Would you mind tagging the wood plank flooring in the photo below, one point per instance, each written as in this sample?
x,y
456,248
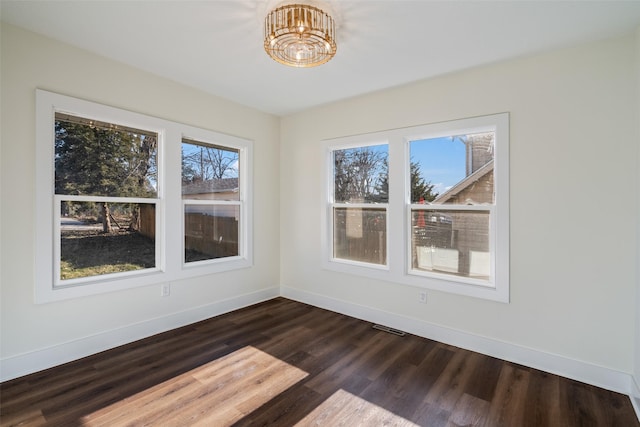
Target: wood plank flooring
x,y
283,363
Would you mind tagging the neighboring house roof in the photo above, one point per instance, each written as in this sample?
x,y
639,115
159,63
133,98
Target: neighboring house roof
x,y
223,185
469,180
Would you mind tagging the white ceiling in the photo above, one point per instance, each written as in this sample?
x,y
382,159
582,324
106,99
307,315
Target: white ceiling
x,y
216,46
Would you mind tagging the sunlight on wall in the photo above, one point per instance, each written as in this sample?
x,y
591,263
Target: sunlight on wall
x,y
220,392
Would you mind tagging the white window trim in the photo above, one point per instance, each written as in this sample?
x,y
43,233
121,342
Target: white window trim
x,y
169,206
244,158
59,284
327,214
398,269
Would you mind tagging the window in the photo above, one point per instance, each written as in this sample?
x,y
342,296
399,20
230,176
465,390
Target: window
x,y
452,195
106,181
436,196
360,181
108,199
211,200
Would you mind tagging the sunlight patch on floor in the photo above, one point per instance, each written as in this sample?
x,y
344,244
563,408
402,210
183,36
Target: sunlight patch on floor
x,y
345,409
221,392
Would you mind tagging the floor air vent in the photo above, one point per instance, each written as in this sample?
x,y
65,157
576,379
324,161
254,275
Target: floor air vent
x,y
390,330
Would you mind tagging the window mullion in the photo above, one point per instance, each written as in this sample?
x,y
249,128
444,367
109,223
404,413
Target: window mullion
x,y
428,207
395,220
171,203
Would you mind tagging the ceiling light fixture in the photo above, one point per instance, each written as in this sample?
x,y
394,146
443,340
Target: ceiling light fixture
x,y
299,35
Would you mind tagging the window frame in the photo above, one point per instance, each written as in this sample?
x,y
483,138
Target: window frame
x,y
169,239
243,220
363,205
57,240
399,268
328,213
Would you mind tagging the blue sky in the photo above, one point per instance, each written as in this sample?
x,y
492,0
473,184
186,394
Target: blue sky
x,y
189,149
442,161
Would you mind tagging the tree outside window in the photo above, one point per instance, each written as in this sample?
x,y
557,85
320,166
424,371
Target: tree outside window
x,y
106,181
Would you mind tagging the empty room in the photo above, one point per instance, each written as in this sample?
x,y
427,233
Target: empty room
x,y
341,212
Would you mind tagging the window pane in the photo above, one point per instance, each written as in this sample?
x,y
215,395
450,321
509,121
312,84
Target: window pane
x,y
361,175
103,238
453,170
104,159
209,172
360,234
452,242
211,231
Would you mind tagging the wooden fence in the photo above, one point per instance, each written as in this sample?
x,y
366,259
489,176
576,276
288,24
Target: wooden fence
x,y
214,236
144,220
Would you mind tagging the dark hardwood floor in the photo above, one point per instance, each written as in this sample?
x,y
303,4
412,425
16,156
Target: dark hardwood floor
x,y
283,363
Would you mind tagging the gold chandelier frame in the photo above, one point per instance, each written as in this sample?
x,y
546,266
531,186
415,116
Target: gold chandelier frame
x,y
300,35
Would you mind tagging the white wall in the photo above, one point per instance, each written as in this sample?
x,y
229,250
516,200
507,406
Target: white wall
x,y
34,336
636,371
573,206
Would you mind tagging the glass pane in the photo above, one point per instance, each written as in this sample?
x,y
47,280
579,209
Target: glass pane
x,y
210,232
360,175
209,172
104,159
453,170
452,242
360,235
103,238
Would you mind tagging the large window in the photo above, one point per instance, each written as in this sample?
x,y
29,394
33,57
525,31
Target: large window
x,y
110,201
427,208
106,191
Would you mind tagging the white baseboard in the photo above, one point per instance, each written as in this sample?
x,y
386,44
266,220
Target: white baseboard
x,y
23,364
635,396
566,367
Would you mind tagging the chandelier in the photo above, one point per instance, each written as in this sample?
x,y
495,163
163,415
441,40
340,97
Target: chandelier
x,y
299,35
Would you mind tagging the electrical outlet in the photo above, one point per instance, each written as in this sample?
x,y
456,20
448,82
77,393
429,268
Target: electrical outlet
x,y
165,290
422,297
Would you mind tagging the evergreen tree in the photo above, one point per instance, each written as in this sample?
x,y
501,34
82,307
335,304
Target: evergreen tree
x,y
421,190
102,161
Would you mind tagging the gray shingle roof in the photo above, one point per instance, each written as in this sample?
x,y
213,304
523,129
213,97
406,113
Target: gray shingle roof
x,y
223,185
